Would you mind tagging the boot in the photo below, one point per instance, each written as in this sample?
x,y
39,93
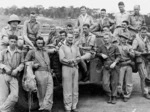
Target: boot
x,y
114,100
109,100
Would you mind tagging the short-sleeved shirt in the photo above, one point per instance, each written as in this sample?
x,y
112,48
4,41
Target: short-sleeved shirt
x,y
31,30
136,21
120,17
113,53
7,31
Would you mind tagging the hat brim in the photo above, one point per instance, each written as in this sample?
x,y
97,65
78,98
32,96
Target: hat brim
x,y
14,21
121,36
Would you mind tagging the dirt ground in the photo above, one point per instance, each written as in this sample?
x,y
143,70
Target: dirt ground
x,y
93,99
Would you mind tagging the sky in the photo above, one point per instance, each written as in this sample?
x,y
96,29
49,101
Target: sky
x,y
109,5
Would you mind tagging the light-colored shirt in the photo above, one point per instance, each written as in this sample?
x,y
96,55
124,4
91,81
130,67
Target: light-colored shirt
x,y
120,17
7,31
14,61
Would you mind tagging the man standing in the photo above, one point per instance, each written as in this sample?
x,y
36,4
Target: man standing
x,y
122,15
84,18
67,55
136,20
42,74
77,36
11,29
11,63
31,29
125,77
141,45
111,55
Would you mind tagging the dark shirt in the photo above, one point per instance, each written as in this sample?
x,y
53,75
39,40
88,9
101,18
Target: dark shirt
x,y
112,53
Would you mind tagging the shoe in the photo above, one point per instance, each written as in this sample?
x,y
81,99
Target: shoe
x,y
147,96
114,100
75,110
110,100
125,99
67,110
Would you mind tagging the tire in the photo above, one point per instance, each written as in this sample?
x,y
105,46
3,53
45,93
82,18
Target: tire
x,y
23,98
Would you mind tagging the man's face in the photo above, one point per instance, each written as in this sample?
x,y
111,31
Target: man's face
x,y
69,38
136,10
121,8
14,24
103,13
39,43
105,29
12,43
33,17
106,39
63,35
124,25
85,30
76,32
83,11
143,32
69,29
52,29
123,40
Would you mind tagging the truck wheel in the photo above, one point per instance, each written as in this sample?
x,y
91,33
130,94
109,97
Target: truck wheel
x,y
23,98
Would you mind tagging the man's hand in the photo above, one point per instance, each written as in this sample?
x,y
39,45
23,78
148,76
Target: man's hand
x,y
113,65
78,59
7,70
14,72
36,66
104,56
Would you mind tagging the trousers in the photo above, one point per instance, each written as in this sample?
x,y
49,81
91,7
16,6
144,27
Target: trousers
x,y
125,84
9,87
70,87
45,89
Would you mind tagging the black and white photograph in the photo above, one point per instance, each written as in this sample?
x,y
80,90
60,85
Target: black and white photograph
x,y
74,56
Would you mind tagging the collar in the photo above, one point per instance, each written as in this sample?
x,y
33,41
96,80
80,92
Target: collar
x,y
123,12
15,51
66,43
138,15
10,29
34,22
84,16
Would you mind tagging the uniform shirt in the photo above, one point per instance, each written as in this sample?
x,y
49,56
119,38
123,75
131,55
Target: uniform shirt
x,y
87,19
67,52
10,59
112,53
120,17
31,30
136,21
129,34
140,44
124,51
89,41
39,56
7,31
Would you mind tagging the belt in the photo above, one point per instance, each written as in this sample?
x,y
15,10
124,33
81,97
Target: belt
x,y
43,69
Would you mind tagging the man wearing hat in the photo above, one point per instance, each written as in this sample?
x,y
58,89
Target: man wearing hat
x,y
125,77
141,45
11,29
31,29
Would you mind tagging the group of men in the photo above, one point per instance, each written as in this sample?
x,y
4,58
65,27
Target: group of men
x,y
123,41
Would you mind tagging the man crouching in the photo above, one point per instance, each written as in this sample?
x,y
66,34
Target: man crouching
x,y
111,56
11,63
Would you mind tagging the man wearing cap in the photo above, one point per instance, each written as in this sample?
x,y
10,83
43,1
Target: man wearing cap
x,y
125,84
11,63
11,29
84,18
122,15
136,20
141,45
111,56
31,29
124,31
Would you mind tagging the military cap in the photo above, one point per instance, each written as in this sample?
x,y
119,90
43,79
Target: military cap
x,y
124,36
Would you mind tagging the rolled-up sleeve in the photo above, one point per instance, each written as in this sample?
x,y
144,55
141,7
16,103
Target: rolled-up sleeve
x,y
117,55
1,60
